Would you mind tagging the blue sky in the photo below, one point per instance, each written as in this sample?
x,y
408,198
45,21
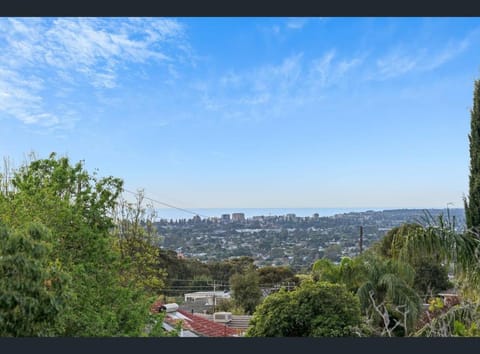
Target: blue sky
x,y
248,112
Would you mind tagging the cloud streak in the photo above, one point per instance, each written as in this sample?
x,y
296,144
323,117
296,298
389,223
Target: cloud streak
x,y
399,62
296,23
299,81
43,57
272,90
19,98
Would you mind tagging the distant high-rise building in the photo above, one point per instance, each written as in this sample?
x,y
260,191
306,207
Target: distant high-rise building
x,y
291,217
225,217
238,217
214,219
197,218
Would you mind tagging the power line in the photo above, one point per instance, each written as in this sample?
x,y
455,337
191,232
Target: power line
x,y
188,289
167,205
194,286
194,279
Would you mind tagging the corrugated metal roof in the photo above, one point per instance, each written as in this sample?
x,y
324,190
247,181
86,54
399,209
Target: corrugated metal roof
x,y
177,316
209,293
238,321
187,333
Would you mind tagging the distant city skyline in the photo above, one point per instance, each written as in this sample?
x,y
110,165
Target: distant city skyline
x,y
249,112
249,213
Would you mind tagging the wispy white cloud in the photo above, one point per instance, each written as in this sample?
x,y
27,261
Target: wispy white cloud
x,y
211,104
329,70
230,79
401,61
296,22
44,57
285,27
20,98
395,65
255,99
451,51
277,77
271,90
321,67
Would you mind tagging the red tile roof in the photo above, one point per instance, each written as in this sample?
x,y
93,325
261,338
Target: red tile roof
x,y
155,308
207,328
200,325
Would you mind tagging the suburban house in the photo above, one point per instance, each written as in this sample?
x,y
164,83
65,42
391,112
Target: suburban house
x,y
220,324
207,297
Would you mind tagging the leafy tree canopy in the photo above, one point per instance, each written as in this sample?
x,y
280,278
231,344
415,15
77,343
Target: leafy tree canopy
x,y
33,287
314,309
246,291
77,208
431,276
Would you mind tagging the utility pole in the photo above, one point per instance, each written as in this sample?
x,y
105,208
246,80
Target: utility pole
x,y
214,296
361,239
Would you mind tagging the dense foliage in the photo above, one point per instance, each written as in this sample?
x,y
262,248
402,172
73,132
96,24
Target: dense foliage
x,y
246,290
33,288
271,276
383,287
138,242
472,204
314,309
74,237
431,275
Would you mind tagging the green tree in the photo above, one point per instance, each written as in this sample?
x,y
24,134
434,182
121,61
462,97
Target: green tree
x,y
246,291
393,241
469,279
351,272
271,275
139,241
333,252
223,270
431,276
387,296
458,320
438,241
383,286
314,309
472,203
33,288
78,208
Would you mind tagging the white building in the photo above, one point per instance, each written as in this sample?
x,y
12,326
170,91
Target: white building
x,y
209,297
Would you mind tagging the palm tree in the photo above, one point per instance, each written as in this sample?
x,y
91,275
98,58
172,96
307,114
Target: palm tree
x,y
350,271
324,269
387,297
439,238
384,287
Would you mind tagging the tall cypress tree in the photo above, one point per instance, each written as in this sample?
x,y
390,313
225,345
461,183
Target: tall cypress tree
x,y
472,205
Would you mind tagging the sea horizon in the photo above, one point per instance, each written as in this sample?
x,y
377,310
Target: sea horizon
x,y
176,214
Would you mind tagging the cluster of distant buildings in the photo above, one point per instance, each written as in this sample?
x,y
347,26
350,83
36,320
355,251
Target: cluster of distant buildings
x,y
235,217
240,217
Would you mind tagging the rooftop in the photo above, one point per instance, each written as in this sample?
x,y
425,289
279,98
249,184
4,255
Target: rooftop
x,y
197,324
